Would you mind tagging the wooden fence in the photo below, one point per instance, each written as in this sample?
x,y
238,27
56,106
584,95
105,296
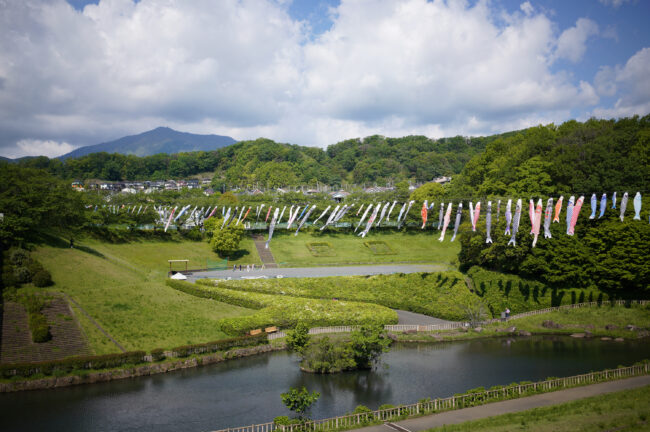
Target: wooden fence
x,y
449,403
455,325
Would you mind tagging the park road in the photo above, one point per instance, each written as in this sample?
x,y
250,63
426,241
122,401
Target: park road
x,y
303,272
510,406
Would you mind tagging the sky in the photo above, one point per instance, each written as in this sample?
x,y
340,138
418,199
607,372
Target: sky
x,y
80,72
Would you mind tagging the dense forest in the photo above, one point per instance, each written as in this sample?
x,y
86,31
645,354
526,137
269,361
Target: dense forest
x,y
265,163
574,158
598,156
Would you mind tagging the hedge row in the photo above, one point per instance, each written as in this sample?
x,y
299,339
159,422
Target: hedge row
x,y
221,345
116,360
287,311
500,291
70,364
438,294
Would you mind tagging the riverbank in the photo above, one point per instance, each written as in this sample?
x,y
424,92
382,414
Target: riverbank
x,y
98,376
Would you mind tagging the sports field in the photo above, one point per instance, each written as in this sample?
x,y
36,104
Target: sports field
x,y
308,249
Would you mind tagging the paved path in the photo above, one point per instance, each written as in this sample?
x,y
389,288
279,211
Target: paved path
x,y
265,254
412,318
316,271
510,406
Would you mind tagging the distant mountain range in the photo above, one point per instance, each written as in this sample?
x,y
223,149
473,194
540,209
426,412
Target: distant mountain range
x,y
159,140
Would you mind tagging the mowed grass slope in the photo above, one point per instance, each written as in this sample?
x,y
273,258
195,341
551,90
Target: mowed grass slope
x,y
348,248
124,291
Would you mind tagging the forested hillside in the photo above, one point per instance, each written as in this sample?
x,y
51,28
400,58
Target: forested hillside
x,y
579,158
598,156
266,163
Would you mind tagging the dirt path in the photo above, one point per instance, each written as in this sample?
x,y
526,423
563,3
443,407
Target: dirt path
x,y
510,406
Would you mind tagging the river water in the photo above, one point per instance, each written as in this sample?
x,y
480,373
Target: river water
x,y
247,391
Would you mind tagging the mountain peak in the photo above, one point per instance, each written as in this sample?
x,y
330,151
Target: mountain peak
x,y
159,140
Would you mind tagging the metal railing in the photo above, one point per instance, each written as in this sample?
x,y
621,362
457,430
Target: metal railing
x,y
450,403
460,324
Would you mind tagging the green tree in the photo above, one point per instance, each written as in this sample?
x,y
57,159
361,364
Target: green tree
x,y
298,338
299,400
35,202
225,241
368,344
428,191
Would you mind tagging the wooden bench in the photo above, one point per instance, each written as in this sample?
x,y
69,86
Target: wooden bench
x,y
255,332
272,329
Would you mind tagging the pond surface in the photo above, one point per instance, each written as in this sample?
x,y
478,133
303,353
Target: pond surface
x,y
247,391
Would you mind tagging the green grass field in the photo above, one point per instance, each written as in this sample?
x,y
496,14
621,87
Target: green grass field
x,y
411,246
627,410
122,286
593,319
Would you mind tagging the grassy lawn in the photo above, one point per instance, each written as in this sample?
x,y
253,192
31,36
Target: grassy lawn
x,y
152,256
347,248
122,287
627,410
593,319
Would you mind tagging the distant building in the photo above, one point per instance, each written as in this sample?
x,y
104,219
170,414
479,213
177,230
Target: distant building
x,y
78,185
340,195
441,180
378,189
208,192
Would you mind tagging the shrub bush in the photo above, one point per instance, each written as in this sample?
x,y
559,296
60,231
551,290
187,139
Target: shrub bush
x,y
221,345
39,327
42,278
286,311
500,291
22,275
436,294
158,354
18,257
9,279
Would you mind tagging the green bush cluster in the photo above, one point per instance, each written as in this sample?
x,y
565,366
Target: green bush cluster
x,y
39,327
68,365
19,268
287,311
436,294
158,354
500,291
38,324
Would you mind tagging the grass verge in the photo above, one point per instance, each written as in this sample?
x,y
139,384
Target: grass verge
x,y
627,410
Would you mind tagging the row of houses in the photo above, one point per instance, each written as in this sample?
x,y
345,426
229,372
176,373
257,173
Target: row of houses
x,y
142,186
160,185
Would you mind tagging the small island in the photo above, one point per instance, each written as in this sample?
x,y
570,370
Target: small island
x,y
362,349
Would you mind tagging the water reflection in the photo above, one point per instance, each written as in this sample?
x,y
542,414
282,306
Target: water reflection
x,y
246,391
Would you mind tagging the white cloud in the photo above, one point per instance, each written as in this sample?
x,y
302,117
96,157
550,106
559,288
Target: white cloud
x,y
613,3
631,82
31,147
527,8
572,42
247,69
